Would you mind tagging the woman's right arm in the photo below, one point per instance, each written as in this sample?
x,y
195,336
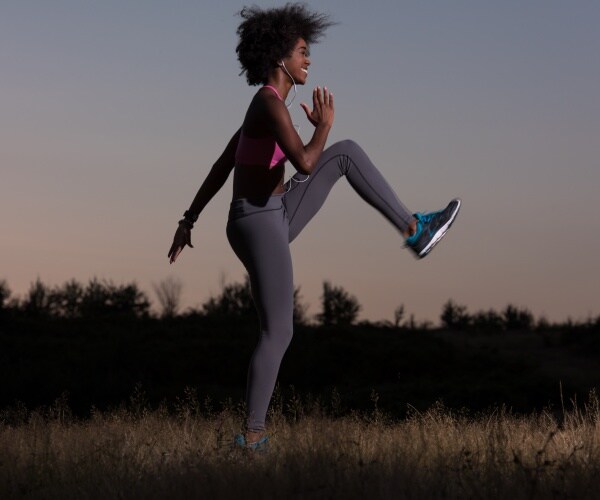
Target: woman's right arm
x,y
214,181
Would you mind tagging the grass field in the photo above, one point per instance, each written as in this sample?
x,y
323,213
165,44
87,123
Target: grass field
x,y
138,453
127,424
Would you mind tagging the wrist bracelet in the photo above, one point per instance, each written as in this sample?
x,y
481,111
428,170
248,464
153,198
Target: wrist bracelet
x,y
189,216
186,223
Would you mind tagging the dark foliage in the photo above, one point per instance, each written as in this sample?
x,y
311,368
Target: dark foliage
x,y
517,319
338,307
4,294
73,300
99,362
75,340
455,317
168,294
487,321
512,318
235,303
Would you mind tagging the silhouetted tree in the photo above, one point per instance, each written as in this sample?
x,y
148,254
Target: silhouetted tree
x,y
37,299
338,307
168,293
4,294
299,308
488,320
517,319
454,316
6,303
65,301
107,299
235,301
398,315
542,324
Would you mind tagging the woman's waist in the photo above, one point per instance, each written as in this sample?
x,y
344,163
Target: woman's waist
x,y
248,205
257,182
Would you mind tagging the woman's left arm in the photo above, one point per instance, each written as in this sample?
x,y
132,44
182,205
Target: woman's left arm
x,y
217,176
214,181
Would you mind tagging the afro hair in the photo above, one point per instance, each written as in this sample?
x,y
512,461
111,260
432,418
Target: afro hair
x,y
267,36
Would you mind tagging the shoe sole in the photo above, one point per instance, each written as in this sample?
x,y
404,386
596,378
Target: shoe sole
x,y
441,231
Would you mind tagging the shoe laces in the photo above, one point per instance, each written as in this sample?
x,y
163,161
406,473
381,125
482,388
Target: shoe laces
x,y
426,218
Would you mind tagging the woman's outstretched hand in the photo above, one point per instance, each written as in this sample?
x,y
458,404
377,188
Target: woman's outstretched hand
x,y
183,237
323,110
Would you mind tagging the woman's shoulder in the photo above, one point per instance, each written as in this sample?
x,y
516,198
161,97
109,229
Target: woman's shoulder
x,y
266,104
258,117
267,94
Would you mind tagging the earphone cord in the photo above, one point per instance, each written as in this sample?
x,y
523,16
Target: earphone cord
x,y
288,105
289,183
292,179
293,81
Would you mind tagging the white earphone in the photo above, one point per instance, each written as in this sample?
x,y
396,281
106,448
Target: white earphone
x,y
282,64
292,179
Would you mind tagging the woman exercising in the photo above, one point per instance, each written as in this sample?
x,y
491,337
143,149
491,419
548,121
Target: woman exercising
x,y
266,214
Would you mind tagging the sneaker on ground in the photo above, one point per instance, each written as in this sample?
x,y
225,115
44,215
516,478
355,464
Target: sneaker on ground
x,y
260,446
431,228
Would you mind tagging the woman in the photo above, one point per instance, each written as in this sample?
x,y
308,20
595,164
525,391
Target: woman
x,y
266,214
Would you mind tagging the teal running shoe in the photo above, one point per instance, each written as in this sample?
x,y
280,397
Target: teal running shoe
x,y
431,228
260,446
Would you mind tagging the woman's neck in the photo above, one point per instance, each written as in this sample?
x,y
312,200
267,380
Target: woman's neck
x,y
281,82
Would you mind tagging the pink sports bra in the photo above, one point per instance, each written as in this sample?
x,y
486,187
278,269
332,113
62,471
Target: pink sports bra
x,y
259,150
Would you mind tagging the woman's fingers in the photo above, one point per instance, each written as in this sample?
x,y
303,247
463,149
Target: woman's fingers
x,y
322,105
175,255
321,95
172,250
327,97
182,238
324,97
306,109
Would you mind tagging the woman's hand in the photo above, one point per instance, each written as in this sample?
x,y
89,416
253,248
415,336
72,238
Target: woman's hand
x,y
323,111
183,237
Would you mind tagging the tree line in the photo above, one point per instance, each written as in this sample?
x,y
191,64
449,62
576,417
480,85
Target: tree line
x,y
103,298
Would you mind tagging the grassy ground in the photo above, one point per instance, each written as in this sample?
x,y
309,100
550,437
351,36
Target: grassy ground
x,y
139,449
137,453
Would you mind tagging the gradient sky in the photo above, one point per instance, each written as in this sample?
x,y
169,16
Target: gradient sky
x,y
112,113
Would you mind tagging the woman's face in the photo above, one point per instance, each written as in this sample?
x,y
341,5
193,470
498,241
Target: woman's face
x,y
297,62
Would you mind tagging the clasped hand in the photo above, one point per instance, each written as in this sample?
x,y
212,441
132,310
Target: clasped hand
x,y
323,110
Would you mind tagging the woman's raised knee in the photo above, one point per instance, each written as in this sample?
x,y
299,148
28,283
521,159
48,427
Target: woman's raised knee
x,y
346,146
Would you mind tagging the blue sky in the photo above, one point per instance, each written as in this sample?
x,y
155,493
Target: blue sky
x,y
113,112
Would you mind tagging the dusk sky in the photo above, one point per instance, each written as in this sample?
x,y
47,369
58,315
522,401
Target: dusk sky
x,y
113,112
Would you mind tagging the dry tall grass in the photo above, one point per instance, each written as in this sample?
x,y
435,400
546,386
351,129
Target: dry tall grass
x,y
436,454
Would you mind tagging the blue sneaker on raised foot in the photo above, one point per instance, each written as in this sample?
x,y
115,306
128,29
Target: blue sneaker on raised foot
x,y
260,446
431,228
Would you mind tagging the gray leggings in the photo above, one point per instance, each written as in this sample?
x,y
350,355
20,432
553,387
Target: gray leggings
x,y
260,232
